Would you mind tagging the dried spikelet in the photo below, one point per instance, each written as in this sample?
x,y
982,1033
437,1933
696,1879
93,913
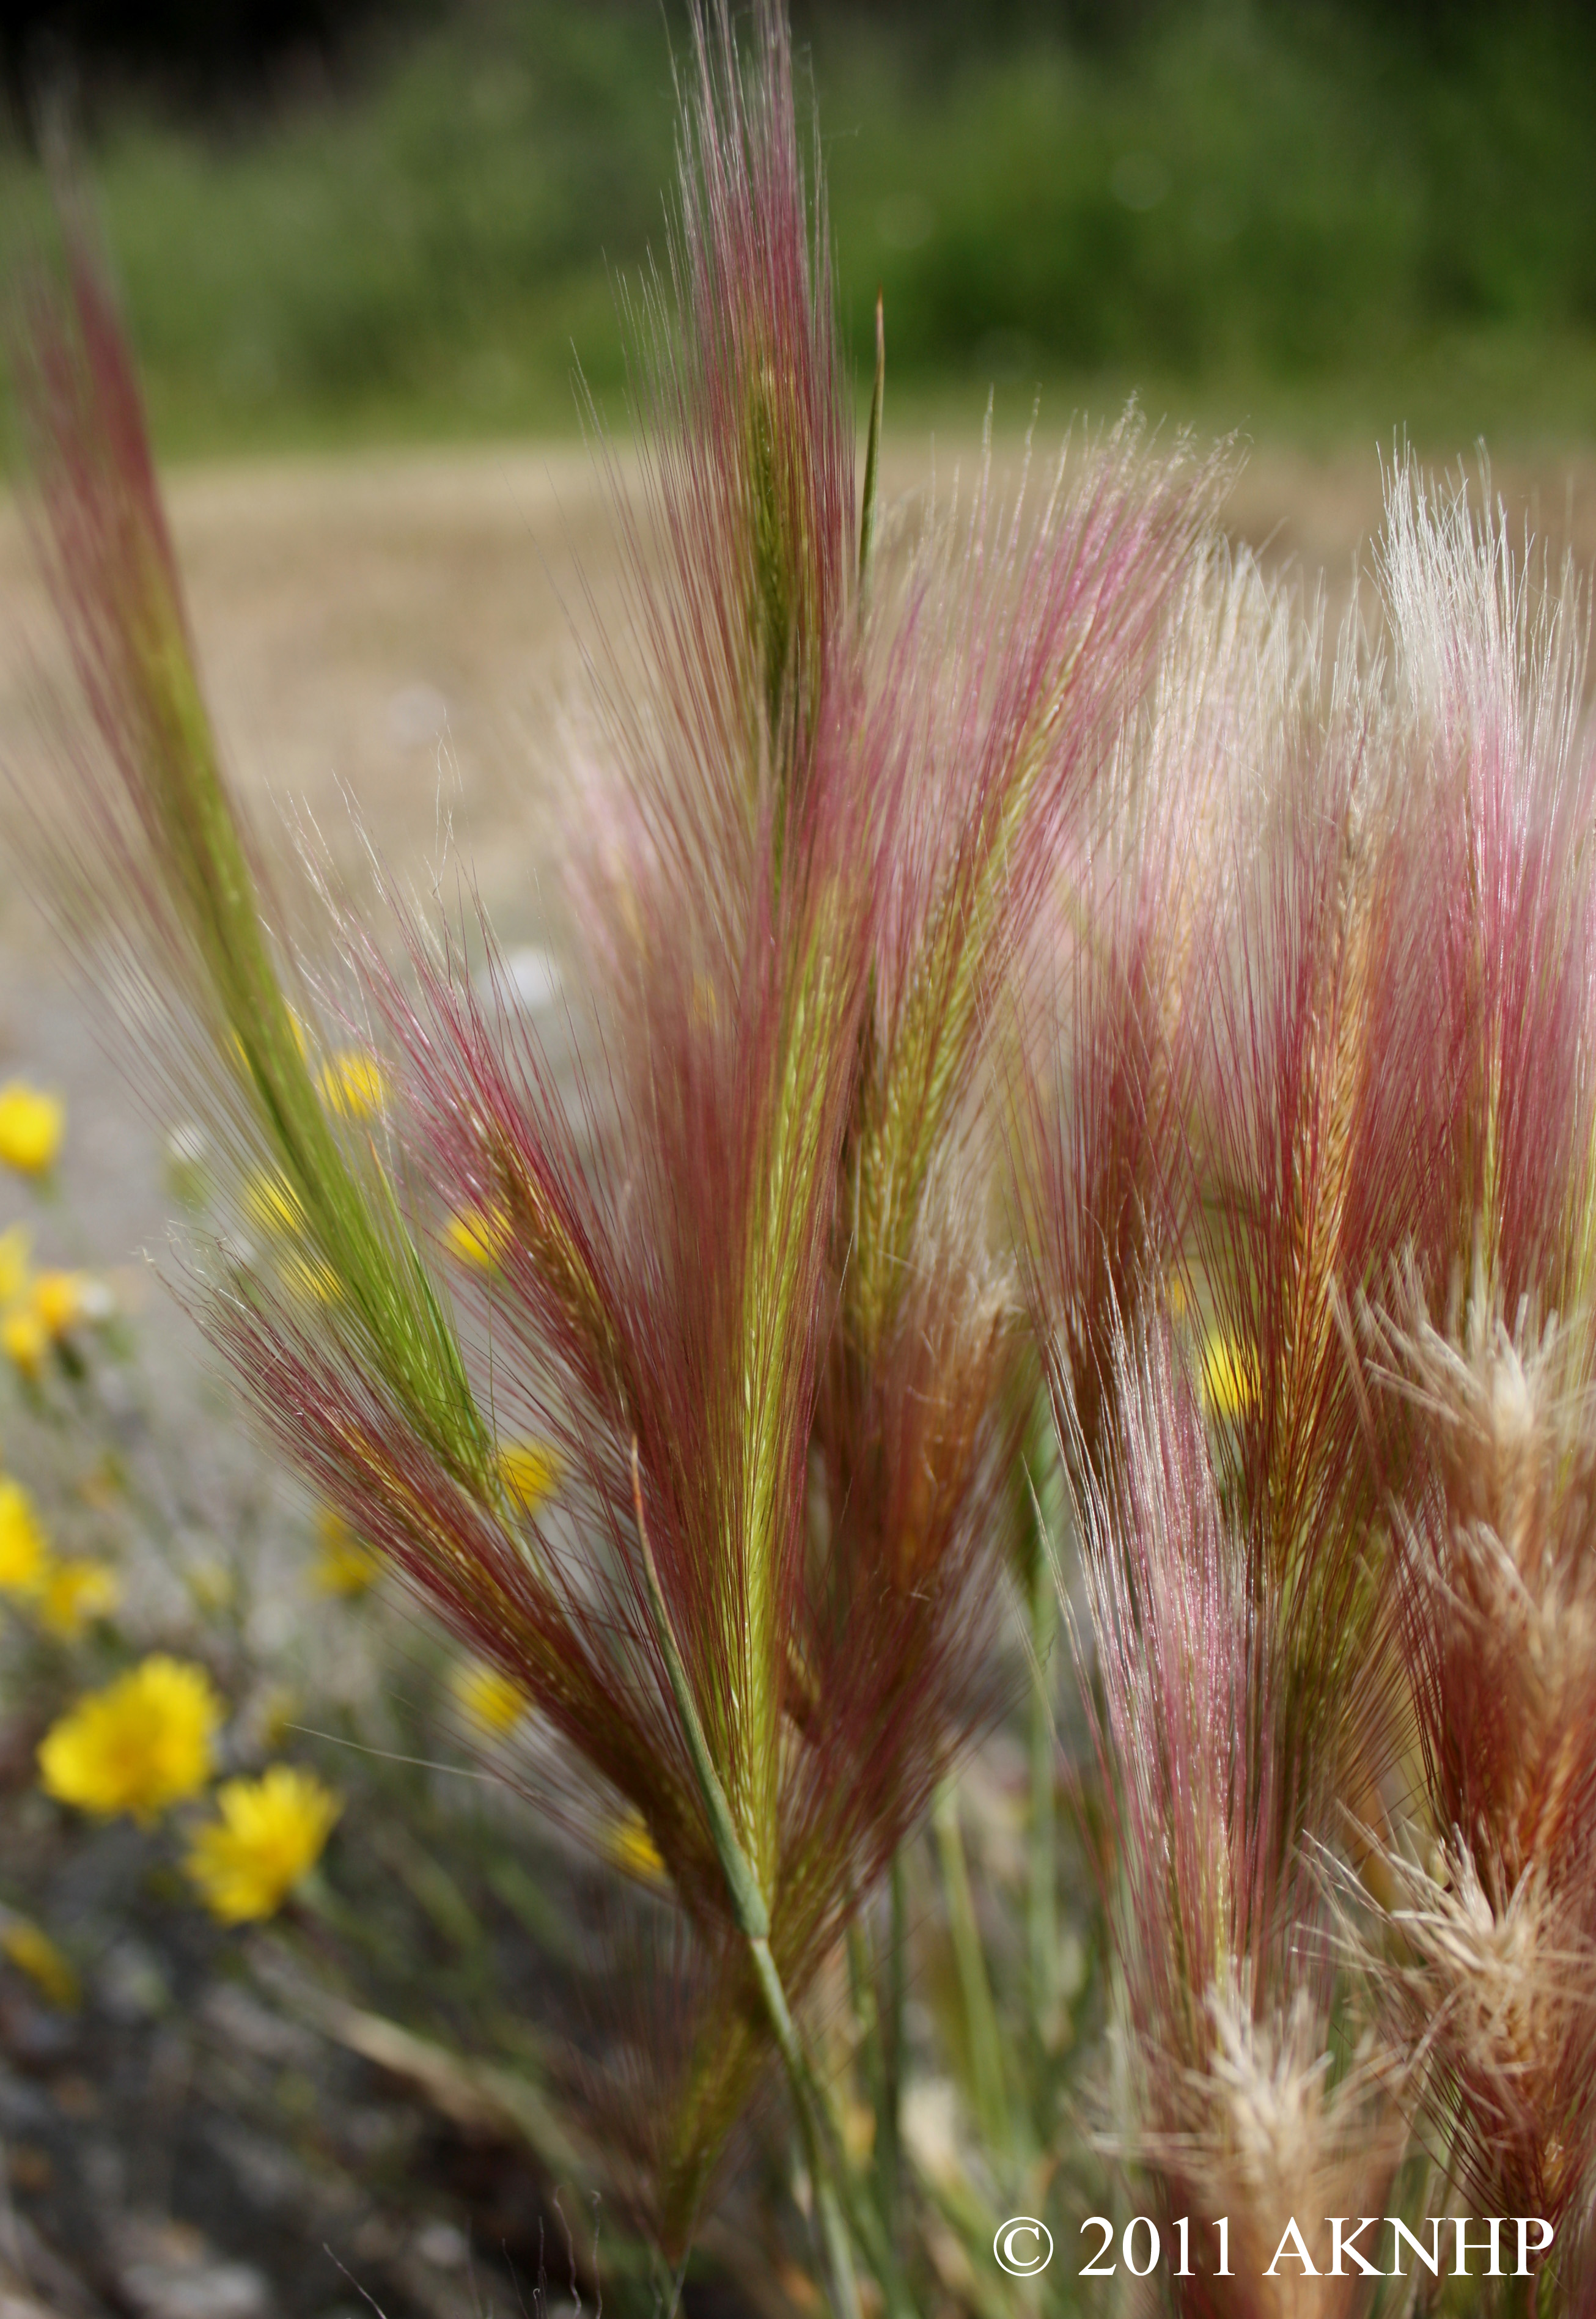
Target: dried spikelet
x,y
1501,1580
1277,2124
1498,1998
1498,1631
1239,2104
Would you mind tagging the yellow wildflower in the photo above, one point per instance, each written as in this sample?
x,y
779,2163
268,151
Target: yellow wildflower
x,y
24,1550
530,1472
271,1206
270,1202
75,1591
25,1339
15,1247
144,1742
270,1835
32,1125
308,1281
858,2122
31,1950
62,1299
479,1236
354,1083
1229,1377
489,1698
633,1850
345,1564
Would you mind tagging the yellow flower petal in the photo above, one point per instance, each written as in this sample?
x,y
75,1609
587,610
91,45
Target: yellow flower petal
x,y
1229,1377
354,1083
628,1844
530,1472
345,1564
479,1236
269,1835
25,1549
306,1280
489,1698
75,1591
25,1339
15,1247
144,1742
31,1950
271,1204
32,1125
61,1300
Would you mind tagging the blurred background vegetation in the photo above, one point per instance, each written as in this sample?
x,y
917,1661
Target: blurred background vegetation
x,y
1324,219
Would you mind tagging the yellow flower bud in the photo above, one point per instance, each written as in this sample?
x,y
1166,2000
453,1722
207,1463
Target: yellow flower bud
x,y
530,1472
30,1949
345,1564
31,1126
354,1083
25,1549
491,1700
25,1339
478,1236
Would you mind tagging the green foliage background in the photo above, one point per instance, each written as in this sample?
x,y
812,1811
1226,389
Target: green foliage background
x,y
1312,218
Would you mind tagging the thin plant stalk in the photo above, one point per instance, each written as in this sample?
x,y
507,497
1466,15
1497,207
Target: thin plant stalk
x,y
888,2149
872,454
1036,1514
877,1981
1041,1908
975,1990
753,1920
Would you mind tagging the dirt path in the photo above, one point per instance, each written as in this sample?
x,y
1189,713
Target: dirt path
x,y
399,624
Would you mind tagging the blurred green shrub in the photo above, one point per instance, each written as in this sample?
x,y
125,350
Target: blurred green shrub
x,y
1254,209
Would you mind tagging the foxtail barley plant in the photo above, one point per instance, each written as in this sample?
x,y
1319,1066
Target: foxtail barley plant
x,y
1042,1027
1303,1188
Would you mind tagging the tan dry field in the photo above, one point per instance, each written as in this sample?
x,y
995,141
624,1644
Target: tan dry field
x,y
397,628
